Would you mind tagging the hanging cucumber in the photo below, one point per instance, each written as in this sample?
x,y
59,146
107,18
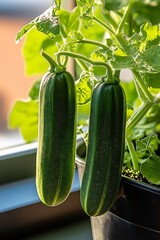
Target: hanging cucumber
x,y
55,159
105,150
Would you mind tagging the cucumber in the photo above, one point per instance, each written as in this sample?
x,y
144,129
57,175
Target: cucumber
x,y
105,149
55,160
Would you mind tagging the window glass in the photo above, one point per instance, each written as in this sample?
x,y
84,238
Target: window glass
x,y
14,83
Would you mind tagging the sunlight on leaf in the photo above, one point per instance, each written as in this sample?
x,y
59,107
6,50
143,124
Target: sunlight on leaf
x,y
98,55
47,23
49,26
84,89
151,33
36,41
150,169
24,30
24,115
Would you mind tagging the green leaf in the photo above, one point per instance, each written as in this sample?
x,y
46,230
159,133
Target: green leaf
x,y
151,169
99,55
152,79
24,30
47,23
147,145
151,56
73,38
114,4
36,41
34,91
24,115
145,49
120,60
69,21
84,89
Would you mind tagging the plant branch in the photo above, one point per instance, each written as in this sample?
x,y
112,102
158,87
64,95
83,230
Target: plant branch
x,y
82,65
86,59
132,151
140,92
138,115
119,39
142,85
104,25
123,20
109,18
96,43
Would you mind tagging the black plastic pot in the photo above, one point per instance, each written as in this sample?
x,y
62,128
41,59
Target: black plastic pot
x,y
134,216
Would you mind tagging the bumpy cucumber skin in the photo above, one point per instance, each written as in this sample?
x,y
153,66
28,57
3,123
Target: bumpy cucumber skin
x,y
55,160
105,150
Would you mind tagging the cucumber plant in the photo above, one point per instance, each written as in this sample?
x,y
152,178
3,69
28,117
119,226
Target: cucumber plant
x,y
104,38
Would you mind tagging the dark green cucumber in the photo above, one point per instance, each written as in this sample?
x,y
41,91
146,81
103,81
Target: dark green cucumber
x,y
105,150
56,138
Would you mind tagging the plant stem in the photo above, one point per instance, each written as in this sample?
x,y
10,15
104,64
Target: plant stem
x,y
86,59
87,41
133,153
118,38
142,85
82,65
54,67
140,92
109,18
104,25
123,20
138,115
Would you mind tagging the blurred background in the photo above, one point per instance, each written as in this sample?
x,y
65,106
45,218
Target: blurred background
x,y
14,83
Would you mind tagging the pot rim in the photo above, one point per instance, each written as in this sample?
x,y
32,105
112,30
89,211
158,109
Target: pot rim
x,y
142,185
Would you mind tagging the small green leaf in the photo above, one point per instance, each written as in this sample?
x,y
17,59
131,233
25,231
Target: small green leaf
x,y
84,89
151,170
87,20
34,91
146,146
24,115
73,38
98,55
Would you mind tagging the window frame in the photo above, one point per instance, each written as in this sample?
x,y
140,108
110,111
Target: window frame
x,y
21,212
